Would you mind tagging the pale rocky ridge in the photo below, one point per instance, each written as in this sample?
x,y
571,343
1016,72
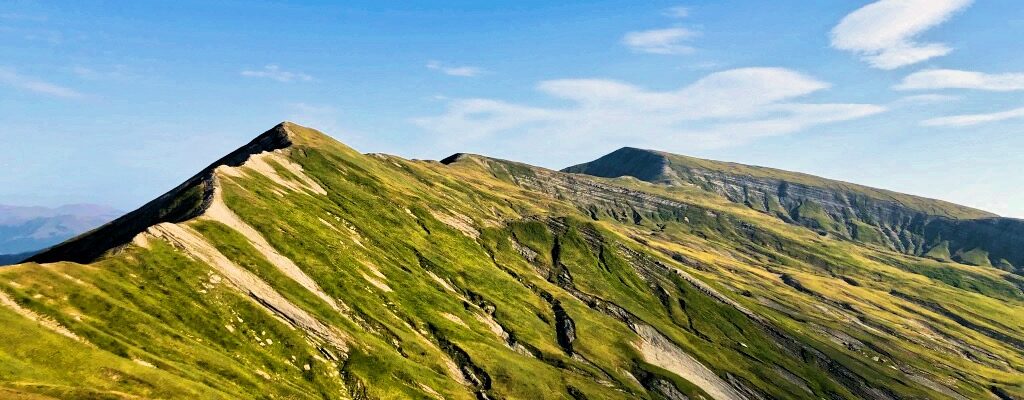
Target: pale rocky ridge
x,y
182,203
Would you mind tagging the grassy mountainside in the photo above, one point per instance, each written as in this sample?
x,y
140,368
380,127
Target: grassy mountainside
x,y
308,270
906,223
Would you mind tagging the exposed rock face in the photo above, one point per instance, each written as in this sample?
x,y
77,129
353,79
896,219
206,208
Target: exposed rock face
x,y
565,328
182,203
905,223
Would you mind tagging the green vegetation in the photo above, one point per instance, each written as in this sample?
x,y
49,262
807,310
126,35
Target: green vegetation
x,y
974,257
484,278
939,252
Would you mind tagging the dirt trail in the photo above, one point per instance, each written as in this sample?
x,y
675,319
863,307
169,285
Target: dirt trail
x,y
43,320
193,244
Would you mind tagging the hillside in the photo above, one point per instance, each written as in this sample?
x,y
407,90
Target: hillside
x,y
901,222
296,267
28,229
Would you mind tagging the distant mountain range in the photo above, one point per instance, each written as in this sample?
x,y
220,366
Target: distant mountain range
x,y
298,268
24,230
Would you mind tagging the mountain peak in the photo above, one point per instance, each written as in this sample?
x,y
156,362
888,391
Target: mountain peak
x,y
184,202
455,158
643,164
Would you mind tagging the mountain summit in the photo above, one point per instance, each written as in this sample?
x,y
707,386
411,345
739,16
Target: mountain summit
x,y
187,201
296,267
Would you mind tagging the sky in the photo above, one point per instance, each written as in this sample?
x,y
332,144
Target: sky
x,y
115,103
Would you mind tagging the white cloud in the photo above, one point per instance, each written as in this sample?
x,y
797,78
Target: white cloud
x,y
724,108
884,33
929,98
660,41
11,78
677,12
975,119
276,73
463,71
956,79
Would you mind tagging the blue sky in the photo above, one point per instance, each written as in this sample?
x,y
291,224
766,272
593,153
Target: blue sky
x,y
116,102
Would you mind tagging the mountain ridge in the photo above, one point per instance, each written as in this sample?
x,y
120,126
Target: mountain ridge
x,y
184,202
907,223
300,268
668,175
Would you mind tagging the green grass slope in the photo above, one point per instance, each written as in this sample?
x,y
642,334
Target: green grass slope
x,y
309,270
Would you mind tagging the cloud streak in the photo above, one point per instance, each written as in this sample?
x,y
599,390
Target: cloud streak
x,y
276,73
722,109
956,79
677,12
461,71
975,119
660,41
884,33
929,98
13,79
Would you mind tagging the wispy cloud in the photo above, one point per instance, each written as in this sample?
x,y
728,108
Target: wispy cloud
x,y
722,109
23,17
677,12
11,78
276,73
660,41
116,72
884,33
463,71
930,98
956,79
975,119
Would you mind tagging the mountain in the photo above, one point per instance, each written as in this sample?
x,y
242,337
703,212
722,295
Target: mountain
x,y
10,259
900,222
28,229
296,267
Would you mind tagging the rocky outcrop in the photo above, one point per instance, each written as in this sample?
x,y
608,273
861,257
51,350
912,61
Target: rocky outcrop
x,y
565,327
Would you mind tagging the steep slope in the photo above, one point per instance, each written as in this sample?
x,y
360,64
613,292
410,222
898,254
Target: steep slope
x,y
29,229
182,203
910,224
303,269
